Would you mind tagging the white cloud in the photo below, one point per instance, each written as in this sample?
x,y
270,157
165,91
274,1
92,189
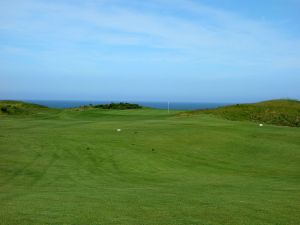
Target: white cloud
x,y
197,32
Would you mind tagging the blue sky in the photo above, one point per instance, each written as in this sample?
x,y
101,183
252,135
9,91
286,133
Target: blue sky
x,y
154,50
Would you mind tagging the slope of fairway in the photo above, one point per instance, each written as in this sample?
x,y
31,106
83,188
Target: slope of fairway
x,y
75,168
279,112
19,108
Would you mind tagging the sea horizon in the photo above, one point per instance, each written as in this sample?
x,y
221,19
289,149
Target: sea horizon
x,y
173,105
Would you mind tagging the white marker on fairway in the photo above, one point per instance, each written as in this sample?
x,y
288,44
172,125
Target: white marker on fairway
x,y
118,130
260,124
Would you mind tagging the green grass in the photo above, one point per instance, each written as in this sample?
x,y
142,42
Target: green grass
x,y
73,167
9,107
282,112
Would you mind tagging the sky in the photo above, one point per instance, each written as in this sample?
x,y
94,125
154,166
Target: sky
x,y
150,50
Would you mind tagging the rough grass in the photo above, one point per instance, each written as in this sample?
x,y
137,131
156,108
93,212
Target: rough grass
x,y
279,112
9,107
72,167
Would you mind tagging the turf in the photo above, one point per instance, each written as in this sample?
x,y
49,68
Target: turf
x,y
73,167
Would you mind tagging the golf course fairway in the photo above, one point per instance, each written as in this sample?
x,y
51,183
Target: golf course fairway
x,y
74,167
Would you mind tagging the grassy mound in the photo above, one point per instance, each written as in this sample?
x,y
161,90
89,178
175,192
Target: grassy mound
x,y
279,112
9,107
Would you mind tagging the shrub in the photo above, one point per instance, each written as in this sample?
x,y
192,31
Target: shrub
x,y
120,106
4,109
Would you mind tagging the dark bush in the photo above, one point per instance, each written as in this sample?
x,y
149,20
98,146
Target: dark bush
x,y
4,109
120,105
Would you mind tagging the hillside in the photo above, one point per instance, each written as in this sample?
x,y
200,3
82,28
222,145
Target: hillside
x,y
282,112
9,107
279,112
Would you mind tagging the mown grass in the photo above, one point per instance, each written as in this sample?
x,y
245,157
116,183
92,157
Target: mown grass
x,y
73,167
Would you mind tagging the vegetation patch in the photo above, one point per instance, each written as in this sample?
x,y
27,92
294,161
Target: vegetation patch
x,y
119,106
282,112
8,107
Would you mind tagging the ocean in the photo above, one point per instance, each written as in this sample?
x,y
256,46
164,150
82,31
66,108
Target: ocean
x,y
157,105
